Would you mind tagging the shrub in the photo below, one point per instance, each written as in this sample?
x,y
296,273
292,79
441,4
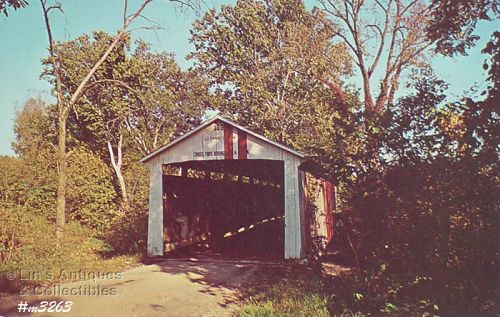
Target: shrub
x,y
128,234
27,244
90,192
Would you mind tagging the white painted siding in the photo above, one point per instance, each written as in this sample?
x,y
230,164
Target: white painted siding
x,y
293,230
259,149
302,206
208,144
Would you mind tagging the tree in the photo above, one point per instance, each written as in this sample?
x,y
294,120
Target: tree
x,y
384,38
425,225
274,68
30,179
35,132
163,101
454,21
481,119
65,103
108,106
12,189
90,194
415,122
133,103
14,4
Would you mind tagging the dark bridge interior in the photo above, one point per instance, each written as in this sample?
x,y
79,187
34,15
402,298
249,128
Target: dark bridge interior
x,y
232,206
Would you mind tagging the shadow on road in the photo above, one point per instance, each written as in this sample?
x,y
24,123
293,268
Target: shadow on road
x,y
217,274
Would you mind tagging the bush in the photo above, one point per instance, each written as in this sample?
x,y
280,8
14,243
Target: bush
x,y
12,190
90,193
128,234
426,233
27,243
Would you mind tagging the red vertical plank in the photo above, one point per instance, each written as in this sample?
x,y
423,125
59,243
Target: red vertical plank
x,y
242,145
228,142
328,192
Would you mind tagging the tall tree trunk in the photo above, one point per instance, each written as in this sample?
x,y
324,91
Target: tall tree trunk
x,y
117,162
369,104
62,158
62,161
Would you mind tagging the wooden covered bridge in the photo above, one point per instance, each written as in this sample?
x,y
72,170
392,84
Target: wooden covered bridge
x,y
220,181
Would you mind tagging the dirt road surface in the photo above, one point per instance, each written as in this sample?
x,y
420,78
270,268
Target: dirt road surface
x,y
173,287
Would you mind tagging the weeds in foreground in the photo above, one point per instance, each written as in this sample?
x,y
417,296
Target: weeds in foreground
x,y
303,291
29,257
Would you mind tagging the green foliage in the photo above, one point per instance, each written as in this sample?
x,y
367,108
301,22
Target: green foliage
x,y
18,233
426,221
12,190
88,124
129,232
35,136
454,21
420,183
140,94
422,228
255,309
90,193
415,122
137,101
163,100
275,69
27,244
137,175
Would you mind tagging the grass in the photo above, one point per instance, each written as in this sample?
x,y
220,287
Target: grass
x,y
33,258
296,291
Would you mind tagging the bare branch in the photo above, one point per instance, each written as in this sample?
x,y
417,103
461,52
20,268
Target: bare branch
x,y
148,28
187,3
384,8
397,37
411,4
156,24
381,46
125,5
351,46
107,80
55,7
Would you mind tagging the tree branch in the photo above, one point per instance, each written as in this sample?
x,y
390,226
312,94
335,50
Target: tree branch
x,y
383,34
116,40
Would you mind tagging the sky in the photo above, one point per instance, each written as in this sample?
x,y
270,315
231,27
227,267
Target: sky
x,y
23,43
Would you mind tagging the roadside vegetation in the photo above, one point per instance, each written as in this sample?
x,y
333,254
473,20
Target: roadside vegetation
x,y
295,290
98,237
30,257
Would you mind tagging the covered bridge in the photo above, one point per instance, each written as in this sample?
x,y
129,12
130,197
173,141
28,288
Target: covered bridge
x,y
220,180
